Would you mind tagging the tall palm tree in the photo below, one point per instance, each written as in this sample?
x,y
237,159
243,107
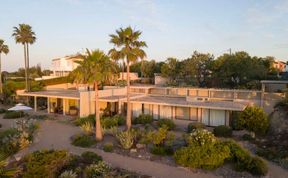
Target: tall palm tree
x,y
95,68
128,47
3,49
23,34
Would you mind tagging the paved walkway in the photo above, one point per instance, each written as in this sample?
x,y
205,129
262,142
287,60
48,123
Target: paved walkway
x,y
55,135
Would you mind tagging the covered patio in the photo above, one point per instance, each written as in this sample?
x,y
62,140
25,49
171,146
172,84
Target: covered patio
x,y
64,102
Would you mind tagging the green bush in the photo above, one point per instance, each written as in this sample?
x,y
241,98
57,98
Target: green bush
x,y
235,121
201,137
108,147
208,156
126,138
161,150
45,163
254,119
222,131
100,169
160,137
195,125
2,110
168,122
82,120
244,161
89,157
13,114
9,141
109,122
247,137
83,141
143,119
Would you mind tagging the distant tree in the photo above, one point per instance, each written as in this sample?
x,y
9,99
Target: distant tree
x,y
129,48
5,50
197,68
254,119
171,69
47,72
23,34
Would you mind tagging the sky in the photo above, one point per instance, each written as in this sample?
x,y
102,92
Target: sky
x,y
171,28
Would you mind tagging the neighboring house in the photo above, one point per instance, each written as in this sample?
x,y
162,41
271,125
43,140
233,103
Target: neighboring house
x,y
63,66
212,107
132,75
279,65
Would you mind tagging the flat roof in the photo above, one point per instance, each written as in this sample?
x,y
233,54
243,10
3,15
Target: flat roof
x,y
182,102
116,98
274,81
67,94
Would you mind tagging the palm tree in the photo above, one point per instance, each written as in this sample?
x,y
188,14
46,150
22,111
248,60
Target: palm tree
x,y
95,68
3,49
127,47
24,35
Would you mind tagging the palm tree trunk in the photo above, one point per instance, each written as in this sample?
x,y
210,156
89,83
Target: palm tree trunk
x,y
98,128
25,59
1,86
123,68
128,119
28,66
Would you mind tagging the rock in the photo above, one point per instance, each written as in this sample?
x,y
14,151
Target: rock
x,y
140,146
133,150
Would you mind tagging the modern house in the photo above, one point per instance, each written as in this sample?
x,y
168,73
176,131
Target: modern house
x,y
63,66
210,106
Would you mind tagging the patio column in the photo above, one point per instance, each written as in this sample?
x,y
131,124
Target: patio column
x,y
119,107
35,103
48,105
64,106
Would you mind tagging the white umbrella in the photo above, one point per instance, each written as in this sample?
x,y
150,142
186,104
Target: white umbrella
x,y
20,107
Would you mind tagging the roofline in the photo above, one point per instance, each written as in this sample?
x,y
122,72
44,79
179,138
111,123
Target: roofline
x,y
46,96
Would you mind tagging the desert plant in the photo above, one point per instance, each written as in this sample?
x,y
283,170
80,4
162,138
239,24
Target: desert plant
x,y
247,137
108,147
161,136
254,120
143,119
90,157
126,138
208,156
83,141
109,122
87,127
81,120
168,122
2,110
161,150
45,163
13,114
100,169
195,125
68,174
4,171
201,137
222,131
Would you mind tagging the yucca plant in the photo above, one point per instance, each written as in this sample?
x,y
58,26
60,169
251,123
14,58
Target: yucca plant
x,y
5,172
87,127
126,138
68,174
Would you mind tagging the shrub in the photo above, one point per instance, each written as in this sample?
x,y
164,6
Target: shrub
x,y
254,119
87,127
108,147
201,137
68,174
81,120
222,131
235,121
195,125
160,136
90,157
97,170
13,115
247,137
202,156
244,161
126,138
2,110
83,141
45,163
109,122
161,150
168,122
9,141
143,119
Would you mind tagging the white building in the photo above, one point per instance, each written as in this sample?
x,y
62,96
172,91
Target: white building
x,y
63,66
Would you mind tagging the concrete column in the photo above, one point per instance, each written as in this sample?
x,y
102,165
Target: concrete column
x,y
64,106
262,95
119,107
35,103
48,105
